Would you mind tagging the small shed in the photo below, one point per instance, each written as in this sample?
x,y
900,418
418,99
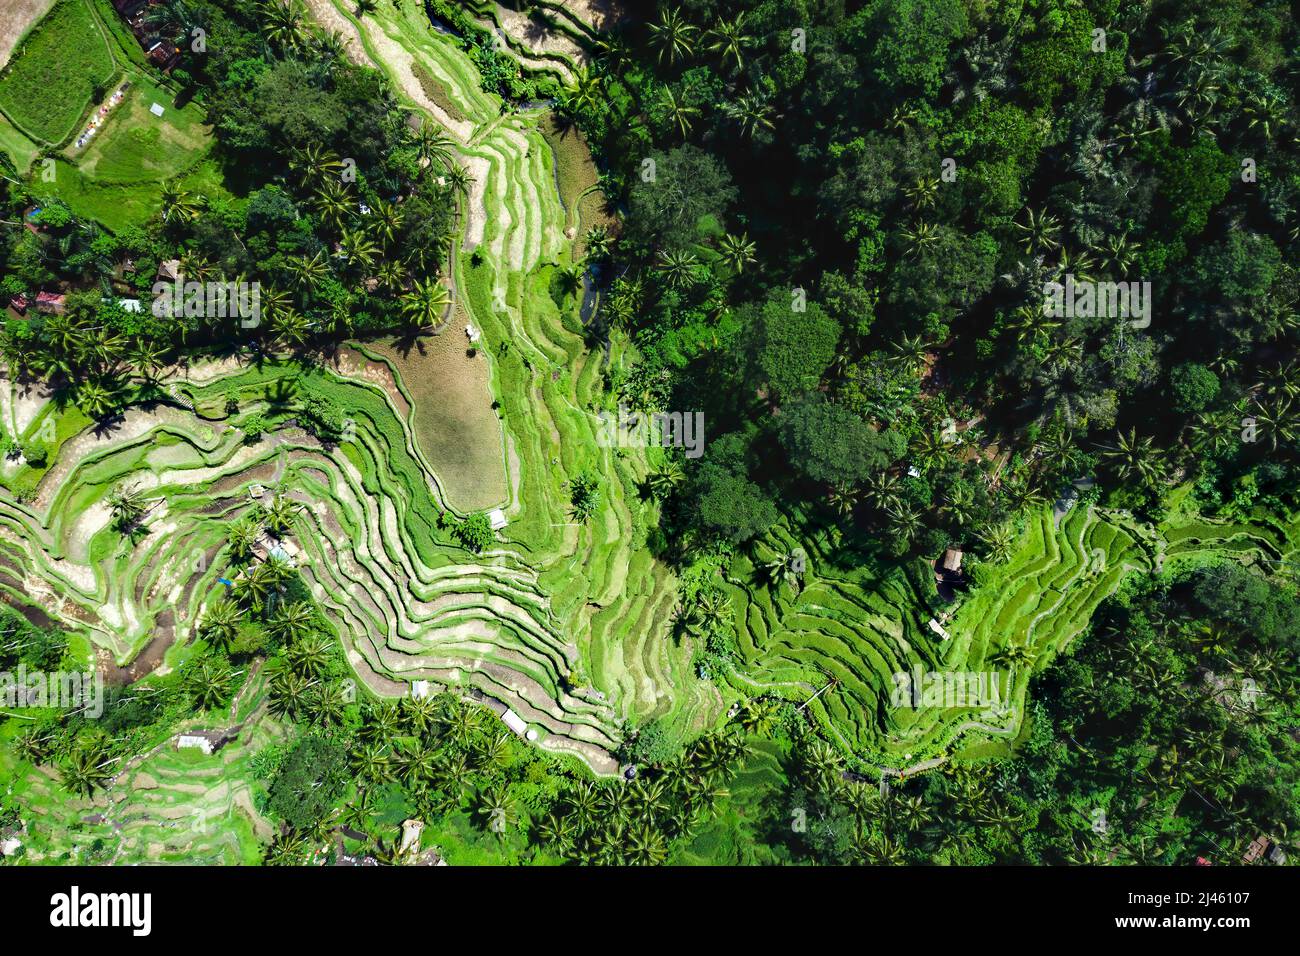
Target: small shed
x,y
497,519
169,270
514,722
194,742
419,689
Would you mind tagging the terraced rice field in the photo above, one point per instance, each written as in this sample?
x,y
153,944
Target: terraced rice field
x,y
858,629
48,83
567,624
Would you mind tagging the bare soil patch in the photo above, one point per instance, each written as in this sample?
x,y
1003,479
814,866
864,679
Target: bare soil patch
x,y
15,17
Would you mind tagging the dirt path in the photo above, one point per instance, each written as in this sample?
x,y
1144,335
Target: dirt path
x,y
328,16
15,17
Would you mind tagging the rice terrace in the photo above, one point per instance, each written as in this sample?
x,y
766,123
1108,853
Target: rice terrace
x,y
356,575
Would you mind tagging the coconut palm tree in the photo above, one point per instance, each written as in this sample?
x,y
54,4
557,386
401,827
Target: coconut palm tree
x,y
290,694
209,683
176,205
221,624
357,249
85,769
998,539
680,270
823,765
310,655
314,165
558,833
1040,231
372,762
279,514
919,236
843,499
673,36
128,506
289,327
241,537
328,705
383,721
787,568
681,114
752,112
646,845
332,203
737,251
496,809
423,307
729,41
1131,455
282,24
291,622
434,147
308,272
667,479
386,222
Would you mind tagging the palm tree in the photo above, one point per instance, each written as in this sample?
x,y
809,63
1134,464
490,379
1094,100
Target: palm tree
x,y
332,203
423,307
127,505
1041,230
386,222
308,272
673,36
558,833
787,568
646,845
730,41
433,146
681,114
667,479
309,656
1131,455
278,515
753,112
383,722
357,249
292,622
177,205
96,398
998,539
329,704
737,251
287,849
85,769
843,499
496,809
918,237
922,193
679,269
221,624
209,683
371,762
241,538
313,164
283,26
290,694
904,523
